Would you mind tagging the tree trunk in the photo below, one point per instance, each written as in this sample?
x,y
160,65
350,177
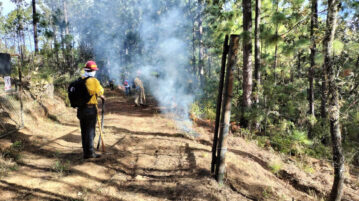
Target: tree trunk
x,y
226,108
257,53
324,93
247,60
21,51
299,66
193,41
66,18
276,48
34,24
209,64
194,49
313,49
219,103
68,54
275,61
56,46
201,46
63,48
257,58
334,107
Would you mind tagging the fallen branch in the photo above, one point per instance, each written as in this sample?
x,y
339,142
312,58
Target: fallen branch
x,y
8,133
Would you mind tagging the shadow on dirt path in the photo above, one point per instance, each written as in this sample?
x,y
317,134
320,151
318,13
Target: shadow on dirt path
x,y
146,158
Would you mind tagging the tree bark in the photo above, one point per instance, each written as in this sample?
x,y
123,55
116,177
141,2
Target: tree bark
x,y
54,29
67,32
21,40
56,45
247,60
226,108
313,49
257,58
324,94
69,52
194,48
275,61
193,41
276,47
299,66
219,103
209,64
334,107
201,46
257,53
34,24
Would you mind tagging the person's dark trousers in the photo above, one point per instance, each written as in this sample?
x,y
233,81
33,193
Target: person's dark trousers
x,y
127,91
88,119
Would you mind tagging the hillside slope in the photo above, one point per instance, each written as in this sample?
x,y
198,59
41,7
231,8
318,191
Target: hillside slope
x,y
148,158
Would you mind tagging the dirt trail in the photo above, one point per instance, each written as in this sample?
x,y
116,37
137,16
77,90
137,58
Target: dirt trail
x,y
148,158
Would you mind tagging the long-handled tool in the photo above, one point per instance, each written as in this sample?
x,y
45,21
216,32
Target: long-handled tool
x,y
100,125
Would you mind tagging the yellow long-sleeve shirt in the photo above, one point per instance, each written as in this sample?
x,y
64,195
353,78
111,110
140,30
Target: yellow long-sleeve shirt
x,y
95,89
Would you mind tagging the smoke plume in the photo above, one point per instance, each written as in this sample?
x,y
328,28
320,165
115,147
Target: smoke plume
x,y
146,36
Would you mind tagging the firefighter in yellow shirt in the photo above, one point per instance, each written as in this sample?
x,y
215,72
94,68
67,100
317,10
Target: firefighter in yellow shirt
x,y
87,114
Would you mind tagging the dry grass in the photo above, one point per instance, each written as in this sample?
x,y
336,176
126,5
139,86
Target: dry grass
x,y
6,165
147,158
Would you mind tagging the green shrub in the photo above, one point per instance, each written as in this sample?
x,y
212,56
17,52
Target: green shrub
x,y
62,167
203,110
61,84
14,151
6,165
262,141
286,138
275,166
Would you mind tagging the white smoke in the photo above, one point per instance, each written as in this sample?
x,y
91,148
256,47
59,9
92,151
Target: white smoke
x,y
150,36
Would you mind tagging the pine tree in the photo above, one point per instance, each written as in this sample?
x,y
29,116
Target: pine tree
x,y
247,60
334,107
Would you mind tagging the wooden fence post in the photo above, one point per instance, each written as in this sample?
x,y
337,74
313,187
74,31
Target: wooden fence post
x,y
226,108
219,103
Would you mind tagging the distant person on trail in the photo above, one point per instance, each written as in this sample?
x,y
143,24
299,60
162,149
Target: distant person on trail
x,y
127,88
112,85
140,98
87,114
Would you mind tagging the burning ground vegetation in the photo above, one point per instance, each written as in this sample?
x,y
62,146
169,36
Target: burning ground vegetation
x,y
148,157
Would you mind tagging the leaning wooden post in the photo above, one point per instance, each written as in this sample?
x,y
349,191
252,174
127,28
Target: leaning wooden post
x,y
219,103
226,108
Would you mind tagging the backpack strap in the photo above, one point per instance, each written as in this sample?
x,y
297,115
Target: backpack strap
x,y
85,84
84,79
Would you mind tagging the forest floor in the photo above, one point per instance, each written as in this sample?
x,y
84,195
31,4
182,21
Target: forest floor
x,y
148,158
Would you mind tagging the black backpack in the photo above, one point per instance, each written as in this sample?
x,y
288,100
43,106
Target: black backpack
x,y
78,93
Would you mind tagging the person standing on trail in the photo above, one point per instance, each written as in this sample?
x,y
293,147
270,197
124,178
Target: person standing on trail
x,y
127,87
140,98
87,114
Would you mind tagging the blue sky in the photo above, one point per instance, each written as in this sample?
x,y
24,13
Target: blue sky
x,y
8,6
